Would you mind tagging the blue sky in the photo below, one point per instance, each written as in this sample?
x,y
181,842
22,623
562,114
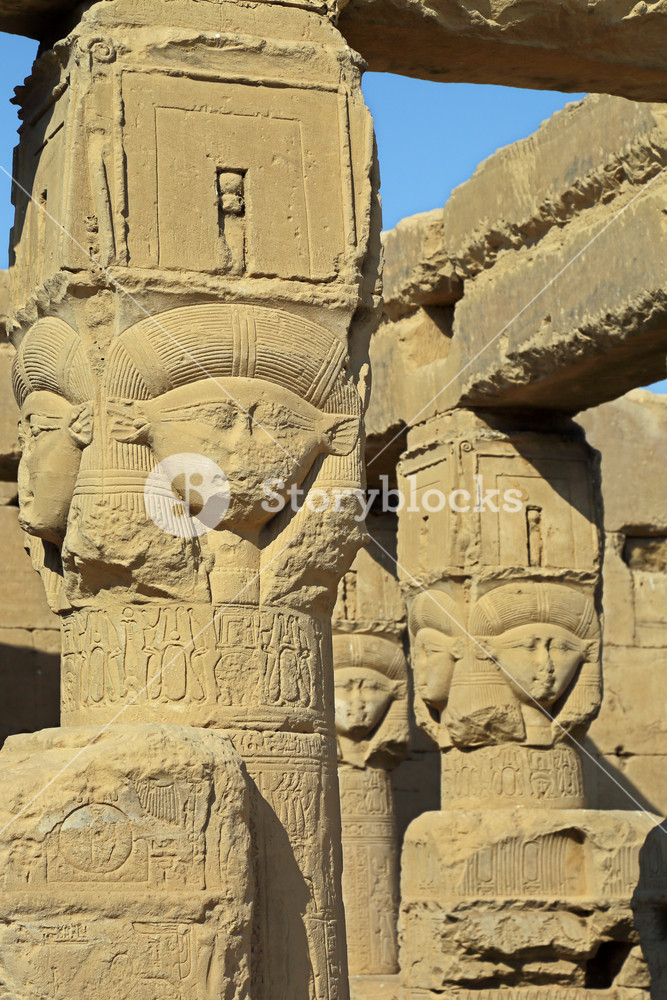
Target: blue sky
x,y
430,136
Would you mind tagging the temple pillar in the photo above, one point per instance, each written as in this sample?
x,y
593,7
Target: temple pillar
x,y
193,289
499,549
372,723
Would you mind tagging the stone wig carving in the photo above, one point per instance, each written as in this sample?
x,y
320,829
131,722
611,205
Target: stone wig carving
x,y
370,680
437,643
245,387
263,393
544,641
54,388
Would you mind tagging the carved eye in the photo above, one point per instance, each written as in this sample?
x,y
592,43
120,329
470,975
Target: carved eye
x,y
38,427
528,643
563,646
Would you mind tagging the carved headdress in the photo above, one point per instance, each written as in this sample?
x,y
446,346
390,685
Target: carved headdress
x,y
386,745
515,605
534,603
434,609
218,340
372,652
52,358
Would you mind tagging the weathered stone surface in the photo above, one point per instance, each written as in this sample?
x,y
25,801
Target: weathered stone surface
x,y
194,335
514,307
521,897
630,435
615,48
418,268
625,782
575,320
372,727
126,865
521,192
23,604
29,677
633,720
44,19
628,738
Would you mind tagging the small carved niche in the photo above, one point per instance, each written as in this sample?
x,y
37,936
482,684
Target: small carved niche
x,y
231,196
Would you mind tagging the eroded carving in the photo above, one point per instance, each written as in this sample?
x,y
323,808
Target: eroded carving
x,y
544,640
372,726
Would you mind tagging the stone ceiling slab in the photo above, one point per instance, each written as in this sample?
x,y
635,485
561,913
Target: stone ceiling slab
x,y
608,46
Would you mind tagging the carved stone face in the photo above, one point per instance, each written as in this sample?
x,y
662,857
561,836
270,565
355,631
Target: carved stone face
x,y
52,434
434,657
362,699
255,431
539,660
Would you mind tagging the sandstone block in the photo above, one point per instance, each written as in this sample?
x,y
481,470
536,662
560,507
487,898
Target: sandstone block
x,y
521,897
573,47
125,865
633,717
630,435
577,319
29,680
626,782
23,604
418,270
551,309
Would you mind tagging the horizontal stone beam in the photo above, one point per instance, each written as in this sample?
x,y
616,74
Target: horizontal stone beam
x,y
542,283
33,18
602,46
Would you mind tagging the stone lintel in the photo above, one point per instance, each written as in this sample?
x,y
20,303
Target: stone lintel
x,y
541,282
602,46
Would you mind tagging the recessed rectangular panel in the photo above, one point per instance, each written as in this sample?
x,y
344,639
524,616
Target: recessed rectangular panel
x,y
289,221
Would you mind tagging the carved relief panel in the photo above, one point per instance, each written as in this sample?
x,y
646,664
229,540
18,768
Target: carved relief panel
x,y
128,871
525,886
210,293
481,493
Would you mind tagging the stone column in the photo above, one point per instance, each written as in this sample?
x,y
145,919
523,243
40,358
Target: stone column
x,y
371,684
191,320
499,549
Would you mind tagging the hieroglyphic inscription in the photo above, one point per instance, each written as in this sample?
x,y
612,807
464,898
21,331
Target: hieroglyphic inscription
x,y
370,870
512,775
188,657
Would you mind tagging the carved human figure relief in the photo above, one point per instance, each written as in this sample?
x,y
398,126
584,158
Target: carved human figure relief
x,y
54,389
372,728
370,677
437,643
544,639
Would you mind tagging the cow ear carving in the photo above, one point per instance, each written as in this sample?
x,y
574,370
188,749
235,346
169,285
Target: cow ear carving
x,y
342,433
127,424
80,424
